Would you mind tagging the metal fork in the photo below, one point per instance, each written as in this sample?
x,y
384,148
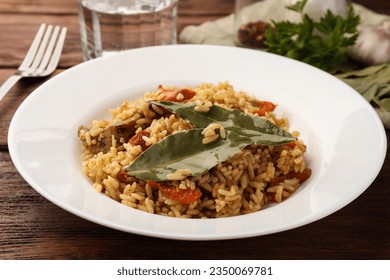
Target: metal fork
x,y
42,57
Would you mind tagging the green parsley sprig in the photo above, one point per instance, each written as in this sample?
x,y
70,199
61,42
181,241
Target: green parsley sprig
x,y
322,43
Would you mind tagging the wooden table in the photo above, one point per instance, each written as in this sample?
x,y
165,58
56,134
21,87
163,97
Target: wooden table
x,y
31,227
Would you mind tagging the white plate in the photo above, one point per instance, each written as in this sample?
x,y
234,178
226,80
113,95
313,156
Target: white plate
x,y
345,138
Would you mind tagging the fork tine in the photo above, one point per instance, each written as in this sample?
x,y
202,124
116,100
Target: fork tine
x,y
42,47
33,48
57,51
38,55
49,50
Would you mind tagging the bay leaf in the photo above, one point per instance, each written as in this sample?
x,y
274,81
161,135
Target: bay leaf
x,y
260,130
185,150
373,83
383,91
367,71
369,92
383,103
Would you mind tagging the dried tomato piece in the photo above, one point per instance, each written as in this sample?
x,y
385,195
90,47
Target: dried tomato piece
x,y
302,177
123,177
138,140
173,95
293,144
264,107
183,196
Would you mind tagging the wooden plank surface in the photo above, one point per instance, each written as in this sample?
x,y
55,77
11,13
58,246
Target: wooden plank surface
x,y
31,227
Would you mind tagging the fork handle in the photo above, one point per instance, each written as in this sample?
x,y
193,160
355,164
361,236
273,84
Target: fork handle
x,y
8,84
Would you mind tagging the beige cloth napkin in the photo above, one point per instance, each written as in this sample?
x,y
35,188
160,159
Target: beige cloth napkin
x,y
220,32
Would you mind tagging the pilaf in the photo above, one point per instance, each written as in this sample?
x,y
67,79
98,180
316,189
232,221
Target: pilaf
x,y
245,183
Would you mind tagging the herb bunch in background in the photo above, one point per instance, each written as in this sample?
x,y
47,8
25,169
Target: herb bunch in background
x,y
322,43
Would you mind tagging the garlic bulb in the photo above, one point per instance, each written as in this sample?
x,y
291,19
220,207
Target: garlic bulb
x,y
372,46
317,8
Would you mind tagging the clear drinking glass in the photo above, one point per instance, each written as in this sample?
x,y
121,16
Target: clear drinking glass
x,y
110,26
